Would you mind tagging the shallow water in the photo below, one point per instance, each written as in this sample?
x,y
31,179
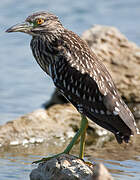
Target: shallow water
x,y
24,87
122,161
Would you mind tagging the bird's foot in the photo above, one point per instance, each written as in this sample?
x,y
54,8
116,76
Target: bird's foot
x,y
47,158
89,163
55,156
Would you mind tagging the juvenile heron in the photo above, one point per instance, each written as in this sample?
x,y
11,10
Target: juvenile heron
x,y
79,75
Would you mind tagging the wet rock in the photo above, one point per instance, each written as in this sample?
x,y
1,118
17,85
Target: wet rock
x,y
67,167
60,122
120,56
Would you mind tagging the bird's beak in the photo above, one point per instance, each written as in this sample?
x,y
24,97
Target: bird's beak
x,y
23,27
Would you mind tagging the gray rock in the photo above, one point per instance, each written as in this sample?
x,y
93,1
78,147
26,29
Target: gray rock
x,y
67,167
40,126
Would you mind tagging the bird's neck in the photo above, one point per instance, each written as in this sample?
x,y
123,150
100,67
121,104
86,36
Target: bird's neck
x,y
45,49
52,35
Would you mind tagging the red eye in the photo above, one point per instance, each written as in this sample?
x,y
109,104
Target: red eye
x,y
40,21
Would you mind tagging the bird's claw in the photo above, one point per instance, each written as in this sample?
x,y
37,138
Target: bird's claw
x,y
89,163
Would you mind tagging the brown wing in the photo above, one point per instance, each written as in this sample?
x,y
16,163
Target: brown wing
x,y
86,83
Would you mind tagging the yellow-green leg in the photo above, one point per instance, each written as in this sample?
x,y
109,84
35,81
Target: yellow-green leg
x,y
83,136
81,132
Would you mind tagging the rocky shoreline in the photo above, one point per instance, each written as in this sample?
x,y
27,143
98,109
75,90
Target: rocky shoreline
x,y
58,122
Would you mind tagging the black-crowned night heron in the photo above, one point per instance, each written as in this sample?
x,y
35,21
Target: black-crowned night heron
x,y
79,75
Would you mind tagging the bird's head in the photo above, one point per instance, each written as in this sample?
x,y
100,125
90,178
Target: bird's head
x,y
37,24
